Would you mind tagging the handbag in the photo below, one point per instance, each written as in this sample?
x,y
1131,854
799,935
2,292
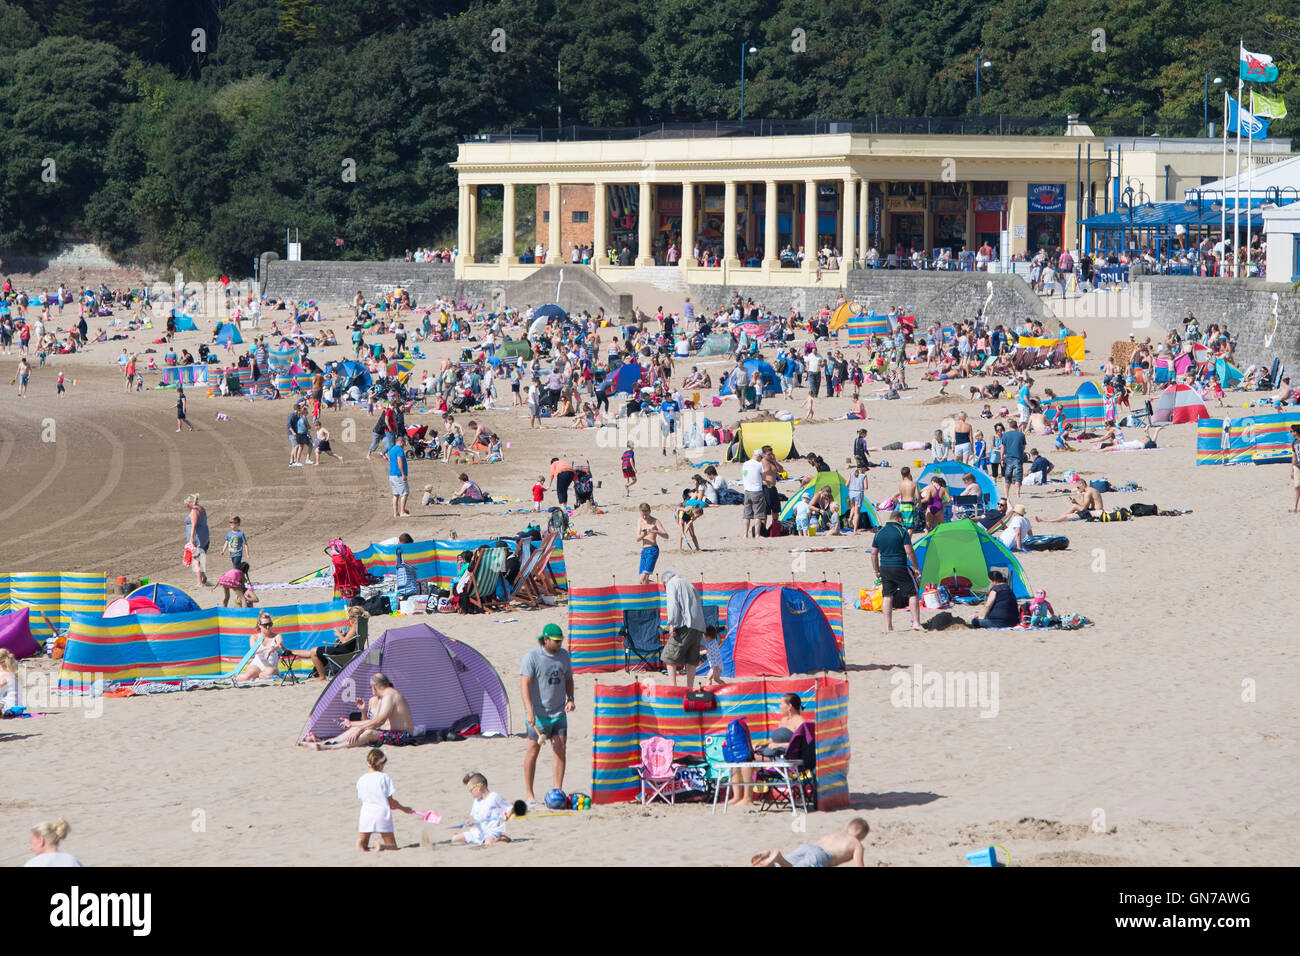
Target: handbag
x,y
697,701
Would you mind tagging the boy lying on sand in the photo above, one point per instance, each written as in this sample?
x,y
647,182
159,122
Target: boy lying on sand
x,y
831,850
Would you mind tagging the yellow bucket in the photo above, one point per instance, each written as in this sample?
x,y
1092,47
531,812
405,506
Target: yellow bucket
x,y
917,463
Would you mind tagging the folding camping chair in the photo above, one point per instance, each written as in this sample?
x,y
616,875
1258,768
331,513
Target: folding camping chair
x,y
642,639
287,673
796,785
657,771
485,568
967,506
337,659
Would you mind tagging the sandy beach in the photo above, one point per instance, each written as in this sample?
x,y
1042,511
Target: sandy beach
x,y
1163,735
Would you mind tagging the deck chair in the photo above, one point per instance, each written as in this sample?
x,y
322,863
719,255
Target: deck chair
x,y
336,660
486,568
521,588
642,639
537,579
802,751
657,771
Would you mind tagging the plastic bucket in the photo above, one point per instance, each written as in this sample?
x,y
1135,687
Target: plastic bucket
x,y
917,463
931,598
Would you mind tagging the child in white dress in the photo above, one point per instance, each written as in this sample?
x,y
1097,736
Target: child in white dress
x,y
487,816
375,790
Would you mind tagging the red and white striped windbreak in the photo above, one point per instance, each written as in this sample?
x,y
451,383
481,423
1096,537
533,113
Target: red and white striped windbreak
x,y
1178,403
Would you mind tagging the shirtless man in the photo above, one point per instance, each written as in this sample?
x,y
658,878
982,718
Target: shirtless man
x,y
771,471
907,496
1088,500
1284,394
649,530
831,850
390,724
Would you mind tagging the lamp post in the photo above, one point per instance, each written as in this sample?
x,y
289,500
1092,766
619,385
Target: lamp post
x,y
744,47
979,62
1274,194
1129,194
1205,109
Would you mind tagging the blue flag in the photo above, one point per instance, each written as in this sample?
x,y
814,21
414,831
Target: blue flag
x,y
1252,126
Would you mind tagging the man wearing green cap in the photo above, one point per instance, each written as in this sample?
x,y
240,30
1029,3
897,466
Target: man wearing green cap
x,y
546,688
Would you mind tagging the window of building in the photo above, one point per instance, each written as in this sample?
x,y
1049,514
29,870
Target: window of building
x,y
989,187
580,215
546,215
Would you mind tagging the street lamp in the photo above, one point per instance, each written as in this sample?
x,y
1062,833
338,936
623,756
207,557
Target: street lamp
x,y
1274,194
744,48
979,62
1205,110
1129,194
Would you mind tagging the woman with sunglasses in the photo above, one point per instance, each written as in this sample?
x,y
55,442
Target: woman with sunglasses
x,y
268,648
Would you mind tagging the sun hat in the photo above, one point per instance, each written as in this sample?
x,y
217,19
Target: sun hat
x,y
1018,509
551,631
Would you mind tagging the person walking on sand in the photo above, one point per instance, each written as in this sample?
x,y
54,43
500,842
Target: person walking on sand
x,y
376,792
24,373
181,406
649,530
546,688
399,480
754,508
196,539
685,627
894,562
843,846
1295,468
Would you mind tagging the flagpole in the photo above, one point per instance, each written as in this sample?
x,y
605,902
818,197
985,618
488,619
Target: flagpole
x,y
1236,199
1250,178
1223,204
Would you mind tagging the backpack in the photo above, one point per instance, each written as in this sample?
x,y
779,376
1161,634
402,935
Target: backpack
x,y
1118,514
1045,542
736,746
1139,510
558,521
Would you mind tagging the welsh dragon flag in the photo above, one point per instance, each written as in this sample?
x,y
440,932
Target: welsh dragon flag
x,y
1257,67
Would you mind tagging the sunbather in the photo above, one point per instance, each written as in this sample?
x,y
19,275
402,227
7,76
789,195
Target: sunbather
x,y
831,850
1082,505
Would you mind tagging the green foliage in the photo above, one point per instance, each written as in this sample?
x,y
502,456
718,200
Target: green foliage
x,y
202,159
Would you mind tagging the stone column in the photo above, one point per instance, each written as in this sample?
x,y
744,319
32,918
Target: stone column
x,y
600,228
771,254
849,223
643,214
751,226
927,224
729,229
462,229
473,224
553,253
688,225
508,225
864,219
1018,215
810,225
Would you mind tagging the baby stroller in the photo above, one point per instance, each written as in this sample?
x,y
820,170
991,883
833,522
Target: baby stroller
x,y
584,488
421,443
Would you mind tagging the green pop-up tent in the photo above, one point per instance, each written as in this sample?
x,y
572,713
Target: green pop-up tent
x,y
965,550
840,488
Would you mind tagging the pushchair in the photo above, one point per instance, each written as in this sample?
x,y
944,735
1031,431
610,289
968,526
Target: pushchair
x,y
421,442
584,488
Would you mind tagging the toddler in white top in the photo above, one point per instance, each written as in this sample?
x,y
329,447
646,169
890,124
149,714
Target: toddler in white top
x,y
487,816
712,645
375,790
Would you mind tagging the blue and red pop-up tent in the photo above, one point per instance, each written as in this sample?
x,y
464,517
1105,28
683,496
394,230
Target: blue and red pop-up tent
x,y
777,631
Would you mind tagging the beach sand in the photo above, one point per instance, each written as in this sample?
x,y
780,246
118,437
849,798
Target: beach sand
x,y
1164,735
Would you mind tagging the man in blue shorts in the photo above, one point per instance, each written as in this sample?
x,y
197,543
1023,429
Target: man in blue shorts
x,y
894,562
649,530
546,688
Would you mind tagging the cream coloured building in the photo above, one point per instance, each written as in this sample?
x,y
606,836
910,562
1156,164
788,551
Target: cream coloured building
x,y
845,191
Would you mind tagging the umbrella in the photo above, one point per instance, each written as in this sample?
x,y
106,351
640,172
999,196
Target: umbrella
x,y
549,312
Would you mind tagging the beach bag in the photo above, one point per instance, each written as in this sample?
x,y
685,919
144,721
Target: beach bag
x,y
736,745
697,701
188,557
1046,542
1118,514
558,521
1102,485
1139,510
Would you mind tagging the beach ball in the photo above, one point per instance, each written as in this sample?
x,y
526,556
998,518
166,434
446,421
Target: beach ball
x,y
556,799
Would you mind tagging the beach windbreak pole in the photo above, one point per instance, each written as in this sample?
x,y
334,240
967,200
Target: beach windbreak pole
x,y
1236,201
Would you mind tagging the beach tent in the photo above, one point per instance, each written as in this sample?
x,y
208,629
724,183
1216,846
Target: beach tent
x,y
840,317
952,471
1199,356
754,435
1164,370
1082,409
513,347
228,334
771,381
863,325
1177,404
623,380
354,373
1229,375
442,680
131,605
776,632
16,634
838,486
719,343
184,323
167,599
965,549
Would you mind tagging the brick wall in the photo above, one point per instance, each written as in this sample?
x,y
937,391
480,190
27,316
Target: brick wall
x,y
1245,306
573,198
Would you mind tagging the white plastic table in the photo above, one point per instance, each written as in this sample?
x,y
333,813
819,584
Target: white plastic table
x,y
783,767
